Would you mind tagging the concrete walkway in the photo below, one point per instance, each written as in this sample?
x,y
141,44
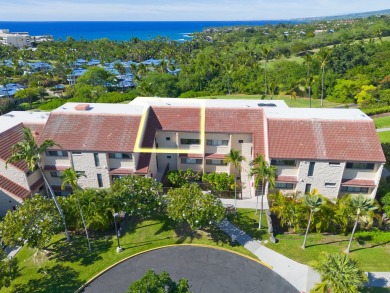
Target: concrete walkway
x,y
383,129
302,277
249,203
299,275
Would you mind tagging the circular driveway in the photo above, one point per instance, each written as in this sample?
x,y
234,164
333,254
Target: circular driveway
x,y
208,270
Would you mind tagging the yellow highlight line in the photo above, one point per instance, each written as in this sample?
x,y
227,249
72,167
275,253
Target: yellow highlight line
x,y
142,129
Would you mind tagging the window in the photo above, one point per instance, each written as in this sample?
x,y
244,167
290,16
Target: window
x,y
167,138
190,141
311,169
334,163
215,142
116,177
120,156
169,157
191,161
55,174
100,180
283,185
96,158
368,166
240,141
76,153
216,162
283,162
61,193
354,189
307,188
330,184
57,153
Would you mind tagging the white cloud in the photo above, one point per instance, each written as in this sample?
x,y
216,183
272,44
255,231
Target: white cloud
x,y
181,10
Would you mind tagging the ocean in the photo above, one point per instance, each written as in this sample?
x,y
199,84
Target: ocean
x,y
122,30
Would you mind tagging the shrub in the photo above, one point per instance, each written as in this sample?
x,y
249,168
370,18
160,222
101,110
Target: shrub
x,y
375,235
194,94
53,104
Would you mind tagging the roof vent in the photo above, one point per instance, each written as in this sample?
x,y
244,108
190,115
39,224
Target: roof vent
x,y
266,105
82,107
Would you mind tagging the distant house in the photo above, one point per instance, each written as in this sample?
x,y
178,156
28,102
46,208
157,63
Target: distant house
x,y
93,62
40,66
9,90
71,78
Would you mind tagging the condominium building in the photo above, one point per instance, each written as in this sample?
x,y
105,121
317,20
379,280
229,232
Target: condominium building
x,y
335,151
18,39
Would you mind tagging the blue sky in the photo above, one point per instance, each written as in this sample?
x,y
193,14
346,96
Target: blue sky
x,y
17,10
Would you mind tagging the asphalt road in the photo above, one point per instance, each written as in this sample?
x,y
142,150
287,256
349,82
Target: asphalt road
x,y
208,270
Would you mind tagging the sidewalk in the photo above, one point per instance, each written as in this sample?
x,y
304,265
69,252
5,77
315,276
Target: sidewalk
x,y
249,203
299,275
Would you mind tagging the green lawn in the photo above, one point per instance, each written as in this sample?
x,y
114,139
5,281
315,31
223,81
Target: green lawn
x,y
294,103
384,136
382,122
371,257
64,267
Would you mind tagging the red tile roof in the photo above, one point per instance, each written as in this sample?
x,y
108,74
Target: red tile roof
x,y
288,179
215,156
11,187
358,182
191,155
217,120
36,129
324,140
7,139
114,171
92,132
37,184
143,163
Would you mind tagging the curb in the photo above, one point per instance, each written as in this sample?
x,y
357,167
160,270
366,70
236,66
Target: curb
x,y
167,246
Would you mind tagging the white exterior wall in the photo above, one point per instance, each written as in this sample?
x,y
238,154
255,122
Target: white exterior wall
x,y
152,171
323,173
19,41
195,167
86,162
377,179
14,174
6,203
221,149
121,163
163,160
34,177
246,150
216,168
189,147
56,161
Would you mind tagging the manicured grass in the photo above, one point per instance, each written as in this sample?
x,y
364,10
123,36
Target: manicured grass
x,y
64,267
372,257
295,103
384,136
382,122
248,221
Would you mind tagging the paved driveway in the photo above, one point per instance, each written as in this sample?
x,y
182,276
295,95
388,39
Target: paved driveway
x,y
208,270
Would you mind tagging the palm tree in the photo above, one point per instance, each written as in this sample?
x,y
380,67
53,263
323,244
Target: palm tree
x,y
323,56
265,52
264,173
313,201
70,177
234,158
309,80
339,274
362,204
27,150
258,169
